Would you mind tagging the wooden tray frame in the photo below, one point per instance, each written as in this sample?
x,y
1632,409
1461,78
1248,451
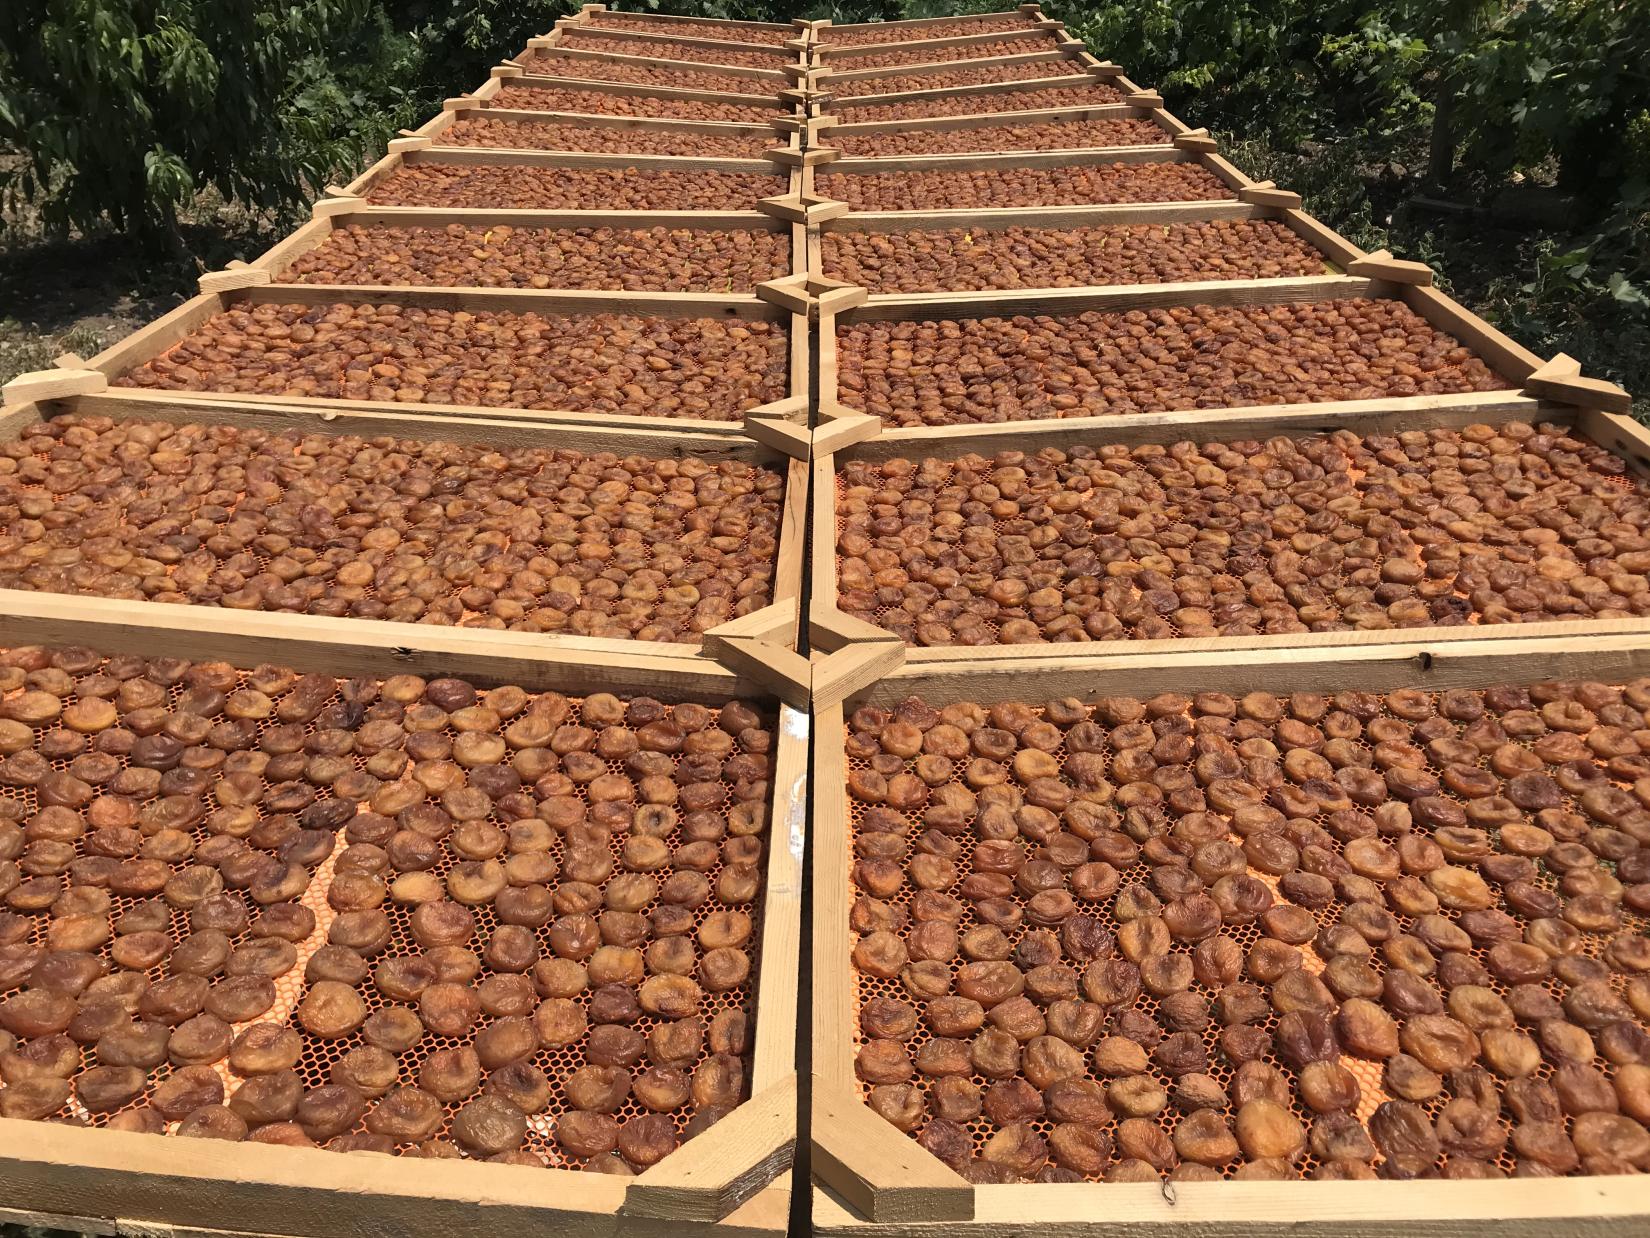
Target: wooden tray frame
x,y
161,334
1337,252
785,178
1243,189
1057,53
1622,436
779,77
796,26
828,129
871,1181
791,52
826,55
915,26
731,1181
1095,72
787,137
511,74
274,261
480,431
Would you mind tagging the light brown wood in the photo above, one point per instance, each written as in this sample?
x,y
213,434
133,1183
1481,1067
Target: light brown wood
x,y
1509,359
52,385
1587,1207
1382,265
710,1176
986,161
1388,416
522,157
1561,379
880,1171
229,280
1115,299
1050,54
1042,217
659,93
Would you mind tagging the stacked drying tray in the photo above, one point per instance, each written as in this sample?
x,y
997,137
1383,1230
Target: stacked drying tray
x,y
376,772
1244,810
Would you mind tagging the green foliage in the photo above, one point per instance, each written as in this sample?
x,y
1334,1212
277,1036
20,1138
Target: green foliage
x,y
126,109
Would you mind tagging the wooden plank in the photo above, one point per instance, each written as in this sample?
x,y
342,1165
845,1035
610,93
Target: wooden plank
x,y
52,385
440,217
544,301
666,436
1423,662
620,36
823,503
361,646
661,93
1115,299
326,407
984,90
1045,216
827,53
773,1058
793,534
520,157
602,120
411,423
837,129
1005,160
1582,1207
549,56
1388,416
960,658
836,79
292,1191
835,1008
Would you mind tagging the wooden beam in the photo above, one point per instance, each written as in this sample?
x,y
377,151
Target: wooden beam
x,y
39,385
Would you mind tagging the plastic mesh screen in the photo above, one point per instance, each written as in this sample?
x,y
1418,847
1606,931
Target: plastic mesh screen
x,y
532,539
702,789
1342,802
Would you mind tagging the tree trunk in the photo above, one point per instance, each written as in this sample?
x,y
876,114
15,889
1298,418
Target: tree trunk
x,y
1441,153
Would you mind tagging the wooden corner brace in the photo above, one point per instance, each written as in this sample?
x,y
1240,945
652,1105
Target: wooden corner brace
x,y
1144,98
708,1178
804,96
230,279
1382,265
326,208
1560,380
800,208
884,1175
459,102
782,426
505,70
811,294
1106,68
1200,140
400,146
1265,193
751,646
52,385
849,654
810,158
